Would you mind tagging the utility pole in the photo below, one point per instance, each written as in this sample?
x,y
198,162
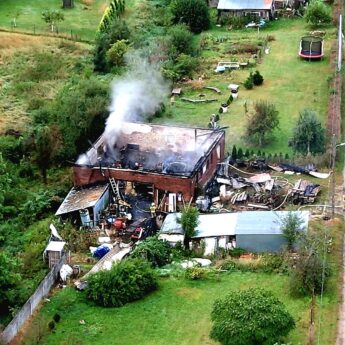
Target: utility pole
x,y
333,174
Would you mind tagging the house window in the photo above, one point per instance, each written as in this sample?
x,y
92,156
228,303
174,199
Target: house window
x,y
204,169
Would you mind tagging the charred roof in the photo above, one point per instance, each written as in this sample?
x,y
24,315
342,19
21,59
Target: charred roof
x,y
156,148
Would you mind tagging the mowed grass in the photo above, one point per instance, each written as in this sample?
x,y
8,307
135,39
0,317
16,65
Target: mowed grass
x,y
290,83
177,314
82,20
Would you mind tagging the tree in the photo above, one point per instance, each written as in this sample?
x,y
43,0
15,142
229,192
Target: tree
x,y
116,31
8,281
51,17
180,41
189,221
262,122
257,78
309,137
5,184
116,54
194,13
47,141
126,281
291,226
156,251
310,270
250,317
249,82
318,13
79,111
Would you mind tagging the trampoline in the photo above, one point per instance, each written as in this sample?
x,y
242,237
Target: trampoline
x,y
311,48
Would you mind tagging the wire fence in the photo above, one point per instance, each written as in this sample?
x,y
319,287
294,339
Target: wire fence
x,y
43,30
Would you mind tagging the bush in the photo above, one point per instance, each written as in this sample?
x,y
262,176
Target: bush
x,y
126,281
51,325
236,252
195,273
57,317
156,251
250,317
318,13
183,67
249,83
257,78
180,41
115,55
194,13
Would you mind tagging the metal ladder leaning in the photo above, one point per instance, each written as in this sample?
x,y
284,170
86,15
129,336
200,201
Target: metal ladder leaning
x,y
115,188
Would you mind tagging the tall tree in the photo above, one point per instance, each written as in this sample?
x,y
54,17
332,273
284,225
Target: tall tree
x,y
264,120
193,13
189,221
46,142
309,137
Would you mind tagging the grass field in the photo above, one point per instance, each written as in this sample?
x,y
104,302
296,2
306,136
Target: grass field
x,y
289,83
82,20
177,314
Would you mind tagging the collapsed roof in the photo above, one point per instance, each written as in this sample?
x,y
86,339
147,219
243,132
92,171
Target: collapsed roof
x,y
156,148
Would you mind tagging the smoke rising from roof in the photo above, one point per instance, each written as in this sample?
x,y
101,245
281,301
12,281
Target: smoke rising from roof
x,y
139,93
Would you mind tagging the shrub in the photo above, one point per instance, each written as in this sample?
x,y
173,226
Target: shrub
x,y
180,41
236,252
156,251
250,317
318,13
195,273
51,325
257,78
57,317
125,282
194,13
115,55
249,83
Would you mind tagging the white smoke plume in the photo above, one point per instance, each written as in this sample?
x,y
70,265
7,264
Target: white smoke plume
x,y
135,96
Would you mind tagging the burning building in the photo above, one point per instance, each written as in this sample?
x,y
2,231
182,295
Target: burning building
x,y
168,159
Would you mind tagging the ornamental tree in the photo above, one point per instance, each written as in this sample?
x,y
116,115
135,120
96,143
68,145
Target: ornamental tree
x,y
250,317
309,137
262,123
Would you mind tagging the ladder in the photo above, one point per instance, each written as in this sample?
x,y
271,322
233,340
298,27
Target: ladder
x,y
115,188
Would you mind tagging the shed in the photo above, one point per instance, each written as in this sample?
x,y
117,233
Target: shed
x,y
54,251
260,231
254,231
84,205
261,8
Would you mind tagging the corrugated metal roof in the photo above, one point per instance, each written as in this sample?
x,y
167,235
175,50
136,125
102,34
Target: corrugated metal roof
x,y
264,223
237,5
170,224
227,224
78,199
220,224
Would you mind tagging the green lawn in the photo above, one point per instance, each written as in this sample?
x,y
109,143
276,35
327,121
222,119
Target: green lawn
x,y
82,20
178,313
289,83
